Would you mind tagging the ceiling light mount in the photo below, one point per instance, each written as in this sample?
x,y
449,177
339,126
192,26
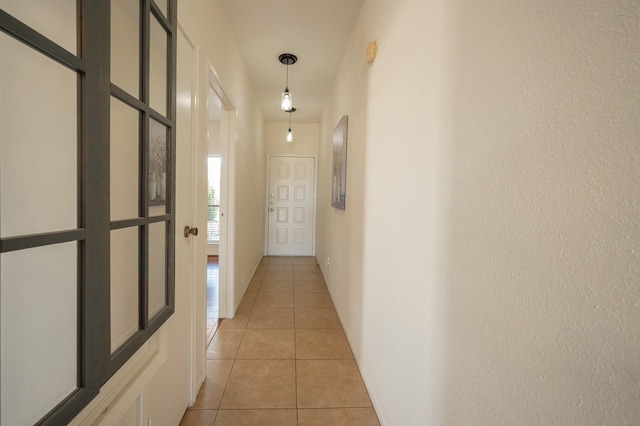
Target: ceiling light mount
x,y
288,59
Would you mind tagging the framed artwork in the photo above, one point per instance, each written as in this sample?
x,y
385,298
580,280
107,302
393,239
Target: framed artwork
x,y
339,186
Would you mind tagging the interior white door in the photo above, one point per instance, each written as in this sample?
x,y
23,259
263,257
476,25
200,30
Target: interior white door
x,y
291,207
188,272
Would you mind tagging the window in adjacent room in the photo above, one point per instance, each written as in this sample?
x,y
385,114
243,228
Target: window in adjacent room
x,y
213,200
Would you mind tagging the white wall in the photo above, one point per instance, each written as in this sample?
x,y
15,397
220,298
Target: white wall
x,y
209,26
385,276
543,260
305,139
486,267
213,133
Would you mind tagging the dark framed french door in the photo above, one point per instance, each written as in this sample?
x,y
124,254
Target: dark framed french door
x,y
87,210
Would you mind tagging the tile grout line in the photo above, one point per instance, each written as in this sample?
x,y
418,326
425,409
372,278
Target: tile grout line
x,y
244,330
295,348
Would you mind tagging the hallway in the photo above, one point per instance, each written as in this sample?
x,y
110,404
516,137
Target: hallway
x,y
284,359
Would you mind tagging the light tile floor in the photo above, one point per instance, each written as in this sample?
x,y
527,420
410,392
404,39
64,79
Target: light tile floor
x,y
284,359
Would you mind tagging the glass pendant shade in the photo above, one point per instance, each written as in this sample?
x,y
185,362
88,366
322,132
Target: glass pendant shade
x,y
287,100
289,136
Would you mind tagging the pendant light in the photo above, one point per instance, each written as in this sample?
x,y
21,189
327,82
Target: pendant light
x,y
286,103
289,132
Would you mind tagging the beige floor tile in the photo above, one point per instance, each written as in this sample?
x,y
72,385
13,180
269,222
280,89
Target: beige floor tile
x,y
225,343
268,344
338,417
276,287
198,418
305,260
309,287
280,260
248,299
330,384
274,300
316,318
261,384
256,417
264,262
254,286
271,318
217,372
278,276
313,300
239,321
308,276
322,344
259,274
280,268
298,269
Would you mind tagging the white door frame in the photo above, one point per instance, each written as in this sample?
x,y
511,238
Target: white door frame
x,y
315,199
227,196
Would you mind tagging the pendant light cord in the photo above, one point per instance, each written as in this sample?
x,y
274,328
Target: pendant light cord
x,y
286,84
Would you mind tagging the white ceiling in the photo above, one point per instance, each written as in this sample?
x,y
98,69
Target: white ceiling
x,y
316,31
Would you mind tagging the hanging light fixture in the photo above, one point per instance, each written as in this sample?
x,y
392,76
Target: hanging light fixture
x,y
289,132
286,103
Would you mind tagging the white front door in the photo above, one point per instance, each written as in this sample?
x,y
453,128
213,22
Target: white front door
x,y
291,199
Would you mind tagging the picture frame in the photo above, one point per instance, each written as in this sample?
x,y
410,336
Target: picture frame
x,y
339,175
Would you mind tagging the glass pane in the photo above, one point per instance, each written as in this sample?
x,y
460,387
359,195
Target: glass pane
x,y
39,145
125,45
125,161
157,267
124,285
158,67
162,5
39,309
158,148
55,20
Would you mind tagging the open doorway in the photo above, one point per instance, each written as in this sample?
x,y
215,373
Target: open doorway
x,y
221,132
214,193
213,242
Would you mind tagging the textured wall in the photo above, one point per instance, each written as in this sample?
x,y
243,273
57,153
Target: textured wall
x,y
385,276
544,262
486,269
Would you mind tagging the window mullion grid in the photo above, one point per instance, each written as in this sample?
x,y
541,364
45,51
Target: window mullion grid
x,y
145,29
95,206
172,53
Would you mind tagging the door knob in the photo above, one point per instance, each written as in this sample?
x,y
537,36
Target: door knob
x,y
192,231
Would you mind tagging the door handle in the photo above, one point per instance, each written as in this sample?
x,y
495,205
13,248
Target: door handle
x,y
270,209
192,231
